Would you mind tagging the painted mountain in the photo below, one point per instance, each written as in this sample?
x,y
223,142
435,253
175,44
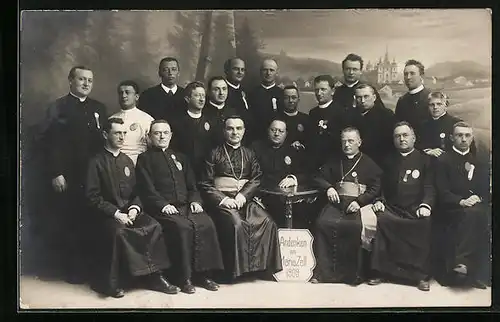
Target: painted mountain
x,y
468,69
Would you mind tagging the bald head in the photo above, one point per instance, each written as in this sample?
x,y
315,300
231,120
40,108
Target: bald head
x,y
268,71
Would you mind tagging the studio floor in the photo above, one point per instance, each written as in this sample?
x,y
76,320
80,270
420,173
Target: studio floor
x,y
44,293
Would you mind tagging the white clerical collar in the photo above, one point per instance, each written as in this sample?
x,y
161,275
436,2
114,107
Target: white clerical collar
x,y
437,118
326,104
234,146
291,114
194,115
352,85
368,110
460,152
232,85
164,149
167,89
81,99
219,107
406,153
114,153
268,87
351,156
416,90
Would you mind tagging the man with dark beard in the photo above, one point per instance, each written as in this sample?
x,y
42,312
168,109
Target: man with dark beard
x,y
130,243
168,189
402,242
351,183
247,234
165,100
464,206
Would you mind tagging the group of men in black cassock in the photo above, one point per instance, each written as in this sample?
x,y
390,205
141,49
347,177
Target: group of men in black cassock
x,y
192,209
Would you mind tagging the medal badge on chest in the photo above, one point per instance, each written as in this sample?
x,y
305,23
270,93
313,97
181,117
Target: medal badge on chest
x,y
415,174
126,170
323,125
442,136
96,116
300,127
177,163
275,105
134,126
407,173
207,126
468,166
354,174
288,160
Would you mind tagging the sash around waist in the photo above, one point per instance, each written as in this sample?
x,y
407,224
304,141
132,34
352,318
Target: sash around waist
x,y
229,184
350,189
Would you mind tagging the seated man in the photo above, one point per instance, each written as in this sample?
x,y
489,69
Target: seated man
x,y
168,189
247,235
282,166
351,183
136,121
463,191
402,242
130,242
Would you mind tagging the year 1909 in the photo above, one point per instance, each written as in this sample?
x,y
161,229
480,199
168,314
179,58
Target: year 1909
x,y
292,272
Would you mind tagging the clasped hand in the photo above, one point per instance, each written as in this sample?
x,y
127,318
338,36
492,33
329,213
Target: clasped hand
x,y
237,203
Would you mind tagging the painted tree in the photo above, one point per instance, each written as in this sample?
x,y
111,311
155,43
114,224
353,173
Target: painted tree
x,y
223,42
248,46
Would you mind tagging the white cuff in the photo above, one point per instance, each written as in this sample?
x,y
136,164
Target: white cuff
x,y
116,213
136,207
225,198
425,206
294,178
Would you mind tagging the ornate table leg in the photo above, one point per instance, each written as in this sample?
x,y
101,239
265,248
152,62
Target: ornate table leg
x,y
288,212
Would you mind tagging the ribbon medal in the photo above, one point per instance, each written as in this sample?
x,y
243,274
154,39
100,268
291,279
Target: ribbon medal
x,y
133,126
415,174
207,126
407,173
177,163
275,106
442,135
300,127
288,160
127,171
96,116
468,166
354,174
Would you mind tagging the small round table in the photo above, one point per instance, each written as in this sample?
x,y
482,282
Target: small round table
x,y
291,196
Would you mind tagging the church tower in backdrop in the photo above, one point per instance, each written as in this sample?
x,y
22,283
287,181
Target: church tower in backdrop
x,y
387,72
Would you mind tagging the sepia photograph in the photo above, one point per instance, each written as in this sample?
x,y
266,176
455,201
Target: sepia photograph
x,y
255,159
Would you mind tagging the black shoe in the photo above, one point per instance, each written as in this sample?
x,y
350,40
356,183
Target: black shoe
x,y
188,287
357,281
460,269
424,286
314,280
210,285
160,284
479,285
374,281
116,293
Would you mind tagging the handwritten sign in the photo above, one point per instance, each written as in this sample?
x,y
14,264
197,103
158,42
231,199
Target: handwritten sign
x,y
297,255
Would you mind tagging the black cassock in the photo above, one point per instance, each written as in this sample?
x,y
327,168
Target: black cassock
x,y
298,127
265,104
375,127
277,163
121,250
218,114
195,138
402,241
72,136
166,177
248,237
160,105
238,101
435,133
344,96
337,234
413,108
465,229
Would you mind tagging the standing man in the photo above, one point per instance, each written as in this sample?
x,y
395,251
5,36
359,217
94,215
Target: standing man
x,y
352,68
168,189
136,121
402,241
374,121
247,234
324,138
234,69
464,205
351,183
195,131
266,99
297,123
126,234
73,136
165,100
436,131
413,106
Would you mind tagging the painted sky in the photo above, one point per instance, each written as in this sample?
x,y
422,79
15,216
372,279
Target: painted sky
x,y
429,35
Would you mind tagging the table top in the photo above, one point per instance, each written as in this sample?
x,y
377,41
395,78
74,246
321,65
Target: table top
x,y
300,190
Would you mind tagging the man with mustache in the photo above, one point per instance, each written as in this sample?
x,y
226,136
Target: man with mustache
x,y
351,183
402,241
136,121
165,100
413,106
247,234
123,230
266,99
167,187
73,135
464,198
297,123
195,131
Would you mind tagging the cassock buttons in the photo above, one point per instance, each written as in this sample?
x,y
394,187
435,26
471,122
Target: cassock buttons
x,y
288,160
126,170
